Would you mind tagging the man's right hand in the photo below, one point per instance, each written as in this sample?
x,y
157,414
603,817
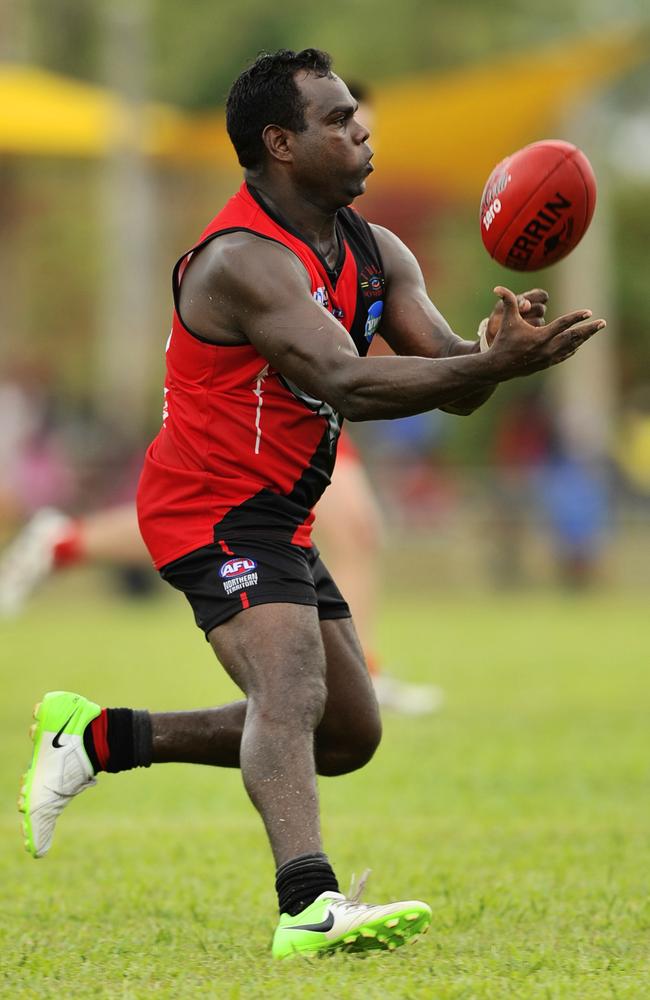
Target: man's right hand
x,y
519,348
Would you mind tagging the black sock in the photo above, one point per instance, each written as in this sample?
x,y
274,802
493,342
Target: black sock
x,y
300,881
119,739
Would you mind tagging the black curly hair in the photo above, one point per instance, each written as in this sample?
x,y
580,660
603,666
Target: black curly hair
x,y
266,94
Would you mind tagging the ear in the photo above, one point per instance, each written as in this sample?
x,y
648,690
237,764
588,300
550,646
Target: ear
x,y
278,143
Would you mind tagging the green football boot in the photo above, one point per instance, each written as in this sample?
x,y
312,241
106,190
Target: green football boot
x,y
334,923
60,768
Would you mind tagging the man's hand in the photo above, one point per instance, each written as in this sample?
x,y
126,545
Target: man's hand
x,y
522,346
532,308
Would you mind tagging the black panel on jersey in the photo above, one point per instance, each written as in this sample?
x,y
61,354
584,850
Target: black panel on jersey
x,y
277,512
371,281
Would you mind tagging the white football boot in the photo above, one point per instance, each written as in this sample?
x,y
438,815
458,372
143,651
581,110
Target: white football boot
x,y
60,768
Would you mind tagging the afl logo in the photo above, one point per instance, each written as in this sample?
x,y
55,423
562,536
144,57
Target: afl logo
x,y
237,567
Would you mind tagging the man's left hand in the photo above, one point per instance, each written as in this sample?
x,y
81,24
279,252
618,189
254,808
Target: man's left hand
x,y
532,307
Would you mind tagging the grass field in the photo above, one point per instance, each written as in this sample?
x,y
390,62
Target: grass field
x,y
520,813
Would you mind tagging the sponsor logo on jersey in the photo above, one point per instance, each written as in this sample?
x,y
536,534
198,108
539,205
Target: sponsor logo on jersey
x,y
321,295
235,567
371,282
374,319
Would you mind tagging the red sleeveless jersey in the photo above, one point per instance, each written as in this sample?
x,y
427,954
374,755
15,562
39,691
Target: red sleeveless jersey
x,y
241,450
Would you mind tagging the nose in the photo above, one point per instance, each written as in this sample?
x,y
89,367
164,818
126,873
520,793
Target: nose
x,y
362,134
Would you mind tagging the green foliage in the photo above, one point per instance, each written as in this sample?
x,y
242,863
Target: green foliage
x,y
201,45
631,212
198,47
57,236
64,36
520,813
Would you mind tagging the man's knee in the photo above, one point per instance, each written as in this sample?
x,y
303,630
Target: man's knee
x,y
305,701
275,654
351,751
297,701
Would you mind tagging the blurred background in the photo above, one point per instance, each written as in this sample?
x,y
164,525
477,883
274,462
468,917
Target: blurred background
x,y
113,156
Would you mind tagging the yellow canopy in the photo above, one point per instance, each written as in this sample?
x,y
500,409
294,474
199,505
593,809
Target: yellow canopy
x,y
449,132
42,113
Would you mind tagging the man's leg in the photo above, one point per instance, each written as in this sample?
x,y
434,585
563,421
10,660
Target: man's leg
x,y
270,735
112,740
287,718
275,654
350,730
345,739
277,745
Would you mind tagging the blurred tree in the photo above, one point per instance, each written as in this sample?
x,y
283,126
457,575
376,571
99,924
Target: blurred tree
x,y
65,36
202,45
631,213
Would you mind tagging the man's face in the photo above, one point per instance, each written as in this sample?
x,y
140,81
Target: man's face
x,y
331,157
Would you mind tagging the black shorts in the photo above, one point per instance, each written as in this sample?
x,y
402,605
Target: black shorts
x,y
224,578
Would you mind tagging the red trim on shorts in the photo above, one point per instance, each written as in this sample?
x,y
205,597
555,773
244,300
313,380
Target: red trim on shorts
x,y
245,603
99,733
302,534
224,547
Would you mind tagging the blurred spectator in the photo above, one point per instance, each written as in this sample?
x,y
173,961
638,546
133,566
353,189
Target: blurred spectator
x,y
414,483
537,474
574,499
35,467
521,445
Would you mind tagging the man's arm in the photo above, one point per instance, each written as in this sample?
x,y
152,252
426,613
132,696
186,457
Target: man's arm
x,y
241,288
411,324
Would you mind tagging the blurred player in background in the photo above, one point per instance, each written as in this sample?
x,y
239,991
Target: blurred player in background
x,y
271,329
349,526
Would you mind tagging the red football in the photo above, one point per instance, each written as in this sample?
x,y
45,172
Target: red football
x,y
537,205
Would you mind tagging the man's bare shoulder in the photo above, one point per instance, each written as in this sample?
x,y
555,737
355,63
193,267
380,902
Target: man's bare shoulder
x,y
399,262
387,240
242,259
235,278
382,234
